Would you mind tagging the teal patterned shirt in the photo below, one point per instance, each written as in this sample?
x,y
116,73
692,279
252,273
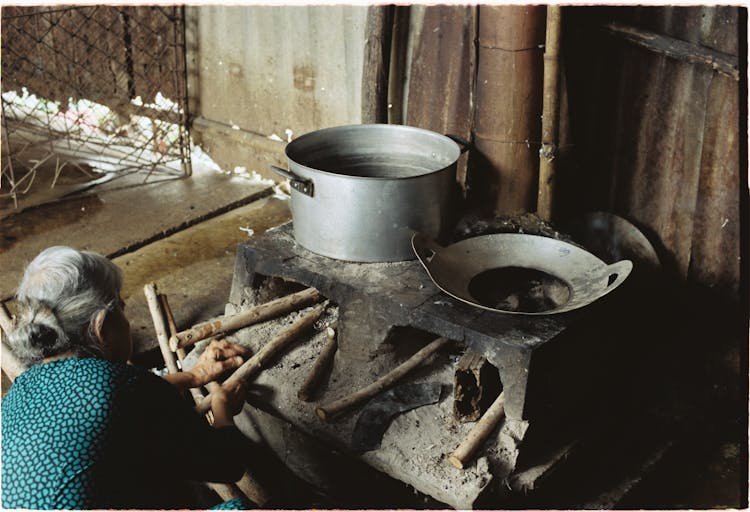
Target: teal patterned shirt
x,y
82,433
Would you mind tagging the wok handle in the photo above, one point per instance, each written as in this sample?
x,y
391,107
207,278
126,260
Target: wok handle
x,y
620,270
302,185
465,144
424,247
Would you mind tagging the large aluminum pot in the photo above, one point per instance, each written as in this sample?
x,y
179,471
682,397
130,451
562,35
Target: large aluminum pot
x,y
359,192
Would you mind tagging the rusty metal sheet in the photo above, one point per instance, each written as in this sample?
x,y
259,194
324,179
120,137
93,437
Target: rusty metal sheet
x,y
440,77
659,149
657,139
715,255
269,69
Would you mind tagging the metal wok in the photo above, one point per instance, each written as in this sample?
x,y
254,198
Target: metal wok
x,y
519,273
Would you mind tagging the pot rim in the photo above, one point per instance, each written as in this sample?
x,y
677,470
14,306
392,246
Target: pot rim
x,y
395,127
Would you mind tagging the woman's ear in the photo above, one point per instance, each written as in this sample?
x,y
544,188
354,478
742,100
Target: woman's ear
x,y
97,325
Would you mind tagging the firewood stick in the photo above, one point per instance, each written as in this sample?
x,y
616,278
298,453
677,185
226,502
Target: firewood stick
x,y
160,326
326,412
245,318
479,433
247,486
253,365
6,320
226,491
323,362
171,329
171,325
10,364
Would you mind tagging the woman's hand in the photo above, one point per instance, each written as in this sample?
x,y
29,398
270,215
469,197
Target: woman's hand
x,y
227,402
218,357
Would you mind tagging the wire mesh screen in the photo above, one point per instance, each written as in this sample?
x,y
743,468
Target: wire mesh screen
x,y
100,87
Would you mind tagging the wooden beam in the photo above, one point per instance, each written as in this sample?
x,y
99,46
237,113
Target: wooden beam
x,y
677,49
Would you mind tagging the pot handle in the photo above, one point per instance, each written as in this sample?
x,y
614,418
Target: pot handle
x,y
465,144
302,185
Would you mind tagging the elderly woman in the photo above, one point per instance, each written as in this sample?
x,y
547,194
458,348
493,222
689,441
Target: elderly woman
x,y
83,429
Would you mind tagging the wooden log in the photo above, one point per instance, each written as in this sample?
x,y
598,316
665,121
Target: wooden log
x,y
479,433
328,411
245,318
550,115
160,326
322,364
252,366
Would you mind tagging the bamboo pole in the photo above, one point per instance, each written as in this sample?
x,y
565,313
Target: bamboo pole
x,y
550,115
252,366
504,175
160,326
479,433
323,362
245,318
326,412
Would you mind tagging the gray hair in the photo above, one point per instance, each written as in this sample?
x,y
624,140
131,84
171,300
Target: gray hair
x,y
60,294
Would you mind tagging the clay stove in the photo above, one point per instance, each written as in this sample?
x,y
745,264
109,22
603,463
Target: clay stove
x,y
544,364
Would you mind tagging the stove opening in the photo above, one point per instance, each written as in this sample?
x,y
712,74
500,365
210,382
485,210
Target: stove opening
x,y
524,290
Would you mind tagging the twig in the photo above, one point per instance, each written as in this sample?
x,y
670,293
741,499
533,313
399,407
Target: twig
x,y
326,412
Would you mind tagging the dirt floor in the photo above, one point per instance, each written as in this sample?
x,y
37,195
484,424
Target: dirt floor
x,y
182,234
